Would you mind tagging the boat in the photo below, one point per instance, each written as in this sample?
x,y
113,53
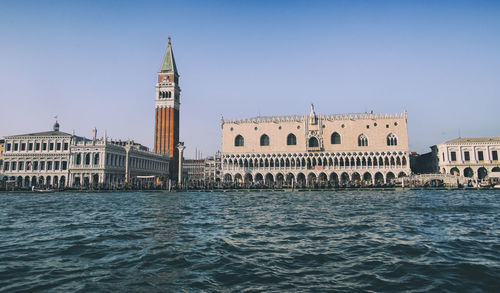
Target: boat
x,y
497,186
43,190
484,184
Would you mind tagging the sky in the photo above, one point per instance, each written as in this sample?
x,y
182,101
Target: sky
x,y
94,64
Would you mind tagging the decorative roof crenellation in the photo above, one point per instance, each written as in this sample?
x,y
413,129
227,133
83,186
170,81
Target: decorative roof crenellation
x,y
327,117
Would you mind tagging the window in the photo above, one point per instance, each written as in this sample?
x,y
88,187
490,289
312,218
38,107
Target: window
x,y
51,146
65,146
239,141
362,140
42,165
56,165
335,138
96,159
494,155
37,146
78,159
16,147
291,139
8,147
480,156
35,165
58,146
20,166
87,159
453,156
14,166
466,156
392,139
30,146
264,140
313,142
49,165
44,146
23,146
6,166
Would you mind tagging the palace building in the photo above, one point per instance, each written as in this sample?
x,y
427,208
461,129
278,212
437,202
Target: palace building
x,y
167,106
315,149
471,157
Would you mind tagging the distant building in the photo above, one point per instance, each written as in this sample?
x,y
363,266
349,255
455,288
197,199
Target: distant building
x,y
2,141
213,170
194,171
424,163
473,157
362,148
59,159
2,181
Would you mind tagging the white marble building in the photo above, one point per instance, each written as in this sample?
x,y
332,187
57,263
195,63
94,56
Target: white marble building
x,y
473,157
60,159
41,158
114,163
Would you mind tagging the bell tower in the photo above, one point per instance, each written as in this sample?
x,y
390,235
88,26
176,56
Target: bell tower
x,y
167,106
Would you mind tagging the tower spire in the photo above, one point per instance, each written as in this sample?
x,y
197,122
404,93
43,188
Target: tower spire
x,y
168,63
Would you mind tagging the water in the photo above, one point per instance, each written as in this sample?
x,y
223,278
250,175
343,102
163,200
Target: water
x,y
274,242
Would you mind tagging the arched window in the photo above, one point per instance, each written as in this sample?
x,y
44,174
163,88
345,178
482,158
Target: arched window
x,y
264,140
335,138
392,139
87,159
239,141
96,159
78,159
313,142
362,140
291,139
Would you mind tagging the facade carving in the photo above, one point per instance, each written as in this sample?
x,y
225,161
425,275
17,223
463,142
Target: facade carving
x,y
362,148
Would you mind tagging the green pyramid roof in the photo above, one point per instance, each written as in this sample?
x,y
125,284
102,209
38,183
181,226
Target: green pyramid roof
x,y
168,63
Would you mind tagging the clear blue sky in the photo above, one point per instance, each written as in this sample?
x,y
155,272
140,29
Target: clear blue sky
x,y
94,63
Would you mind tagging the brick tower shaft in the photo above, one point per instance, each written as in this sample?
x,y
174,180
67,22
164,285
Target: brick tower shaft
x,y
167,106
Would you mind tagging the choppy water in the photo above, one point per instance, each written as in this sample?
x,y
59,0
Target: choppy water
x,y
275,241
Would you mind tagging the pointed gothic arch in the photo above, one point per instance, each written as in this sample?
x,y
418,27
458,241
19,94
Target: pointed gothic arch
x,y
335,138
239,141
264,140
362,140
392,139
313,142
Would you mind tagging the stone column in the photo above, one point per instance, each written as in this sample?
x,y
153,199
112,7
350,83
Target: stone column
x,y
127,164
181,148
